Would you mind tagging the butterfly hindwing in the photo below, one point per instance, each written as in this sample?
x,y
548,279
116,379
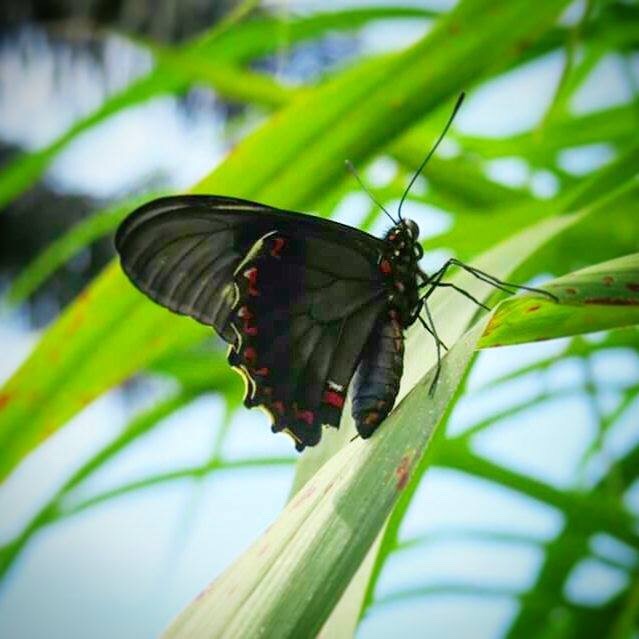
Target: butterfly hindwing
x,y
302,314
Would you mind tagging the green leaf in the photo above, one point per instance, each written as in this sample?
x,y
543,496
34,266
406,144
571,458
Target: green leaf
x,y
96,343
324,533
596,298
614,125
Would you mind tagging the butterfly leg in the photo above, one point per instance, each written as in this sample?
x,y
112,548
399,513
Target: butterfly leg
x,y
435,282
459,290
507,287
497,283
431,329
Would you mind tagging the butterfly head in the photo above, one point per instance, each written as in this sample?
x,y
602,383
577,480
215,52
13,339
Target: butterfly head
x,y
404,238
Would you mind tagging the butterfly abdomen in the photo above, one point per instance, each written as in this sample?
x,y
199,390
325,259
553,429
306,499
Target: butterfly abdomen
x,y
378,376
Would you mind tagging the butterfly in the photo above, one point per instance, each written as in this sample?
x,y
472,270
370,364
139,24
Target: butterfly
x,y
309,307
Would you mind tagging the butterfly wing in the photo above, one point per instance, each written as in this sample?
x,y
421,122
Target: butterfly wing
x,y
302,313
182,251
296,296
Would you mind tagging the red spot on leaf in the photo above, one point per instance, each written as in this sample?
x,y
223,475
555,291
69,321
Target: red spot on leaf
x,y
5,398
532,309
83,298
76,320
204,592
607,280
402,472
329,486
633,286
612,301
492,325
522,46
303,496
571,291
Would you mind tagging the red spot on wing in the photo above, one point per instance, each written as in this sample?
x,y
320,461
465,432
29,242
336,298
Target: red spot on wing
x,y
306,416
279,407
262,372
278,245
251,275
333,398
385,267
250,354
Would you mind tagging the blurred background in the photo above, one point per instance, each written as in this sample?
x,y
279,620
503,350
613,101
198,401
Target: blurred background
x,y
119,519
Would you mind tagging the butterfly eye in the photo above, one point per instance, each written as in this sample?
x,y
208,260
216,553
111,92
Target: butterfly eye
x,y
413,229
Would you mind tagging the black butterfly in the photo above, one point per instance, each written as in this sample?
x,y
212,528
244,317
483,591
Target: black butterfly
x,y
305,303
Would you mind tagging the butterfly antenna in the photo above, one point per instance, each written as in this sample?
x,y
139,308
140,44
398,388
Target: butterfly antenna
x,y
458,104
351,168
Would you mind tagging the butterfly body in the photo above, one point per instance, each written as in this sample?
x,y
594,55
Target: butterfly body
x,y
303,302
376,382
